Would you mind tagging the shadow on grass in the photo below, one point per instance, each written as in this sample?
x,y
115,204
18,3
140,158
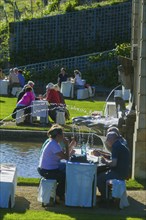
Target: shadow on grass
x,y
21,204
136,210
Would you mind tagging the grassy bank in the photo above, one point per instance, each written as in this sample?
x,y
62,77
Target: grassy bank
x,y
76,108
130,184
69,215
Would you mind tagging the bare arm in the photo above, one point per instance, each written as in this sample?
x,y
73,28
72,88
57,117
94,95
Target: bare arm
x,y
63,155
97,153
68,149
110,163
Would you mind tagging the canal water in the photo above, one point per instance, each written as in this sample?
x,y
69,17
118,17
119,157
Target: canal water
x,y
25,155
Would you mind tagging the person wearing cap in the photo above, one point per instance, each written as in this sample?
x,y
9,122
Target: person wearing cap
x,y
116,130
13,80
107,154
119,163
51,154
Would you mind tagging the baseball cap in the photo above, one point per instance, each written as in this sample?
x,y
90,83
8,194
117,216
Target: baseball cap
x,y
50,86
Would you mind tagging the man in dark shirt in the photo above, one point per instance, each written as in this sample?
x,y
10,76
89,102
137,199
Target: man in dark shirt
x,y
119,163
62,76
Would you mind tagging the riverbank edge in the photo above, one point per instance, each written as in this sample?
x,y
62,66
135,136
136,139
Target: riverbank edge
x,y
35,136
22,135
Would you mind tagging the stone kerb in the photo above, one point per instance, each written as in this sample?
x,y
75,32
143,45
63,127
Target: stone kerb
x,y
41,136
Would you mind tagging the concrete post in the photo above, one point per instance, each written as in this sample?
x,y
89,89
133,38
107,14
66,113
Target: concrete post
x,y
139,139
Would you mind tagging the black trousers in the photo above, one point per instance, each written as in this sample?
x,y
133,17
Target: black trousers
x,y
56,174
27,112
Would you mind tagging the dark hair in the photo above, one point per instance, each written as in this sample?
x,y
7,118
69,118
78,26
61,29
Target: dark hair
x,y
28,89
63,69
55,130
20,71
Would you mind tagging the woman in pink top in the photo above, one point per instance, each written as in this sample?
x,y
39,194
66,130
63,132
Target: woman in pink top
x,y
27,98
25,102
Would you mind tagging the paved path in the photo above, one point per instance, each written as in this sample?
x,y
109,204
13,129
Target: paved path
x,y
26,198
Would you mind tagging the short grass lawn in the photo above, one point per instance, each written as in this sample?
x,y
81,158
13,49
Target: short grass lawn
x,y
76,108
71,215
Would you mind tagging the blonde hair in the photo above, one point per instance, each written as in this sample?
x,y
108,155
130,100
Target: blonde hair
x,y
56,87
77,72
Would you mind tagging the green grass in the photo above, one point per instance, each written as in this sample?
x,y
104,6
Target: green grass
x,y
7,106
75,107
130,184
68,215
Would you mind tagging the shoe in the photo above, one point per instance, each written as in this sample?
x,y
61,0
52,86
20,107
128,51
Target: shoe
x,y
44,204
50,204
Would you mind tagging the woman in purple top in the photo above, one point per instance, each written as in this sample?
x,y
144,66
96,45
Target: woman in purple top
x,y
51,155
27,98
25,102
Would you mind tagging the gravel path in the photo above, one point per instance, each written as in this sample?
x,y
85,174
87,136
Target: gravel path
x,y
26,198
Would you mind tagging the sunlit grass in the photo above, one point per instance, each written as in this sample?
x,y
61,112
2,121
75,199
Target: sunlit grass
x,y
75,107
7,106
130,184
80,214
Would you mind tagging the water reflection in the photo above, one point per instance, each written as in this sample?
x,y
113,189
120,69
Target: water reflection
x,y
24,155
